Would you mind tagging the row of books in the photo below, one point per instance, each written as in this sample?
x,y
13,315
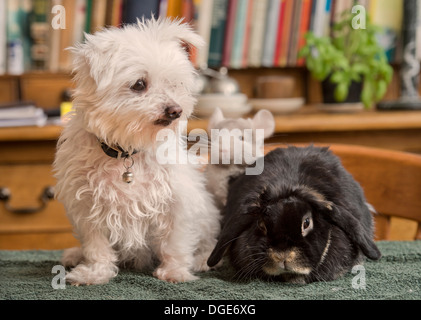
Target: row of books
x,y
239,33
270,33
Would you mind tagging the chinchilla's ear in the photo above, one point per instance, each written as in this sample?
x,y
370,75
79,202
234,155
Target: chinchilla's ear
x,y
264,120
217,117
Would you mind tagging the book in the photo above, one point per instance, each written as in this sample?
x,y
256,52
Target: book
x,y
99,12
279,34
318,17
3,37
327,18
55,33
114,13
304,27
174,8
79,22
418,34
66,37
269,43
217,33
187,10
339,7
163,6
388,15
287,30
15,52
236,57
291,59
247,32
229,32
135,9
33,12
257,31
204,24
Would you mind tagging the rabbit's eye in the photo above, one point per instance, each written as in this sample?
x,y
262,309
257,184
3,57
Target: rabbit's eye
x,y
307,224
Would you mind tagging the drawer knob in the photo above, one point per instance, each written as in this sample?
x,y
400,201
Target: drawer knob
x,y
46,195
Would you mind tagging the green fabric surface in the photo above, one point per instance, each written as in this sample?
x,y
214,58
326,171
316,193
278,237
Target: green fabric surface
x,y
397,275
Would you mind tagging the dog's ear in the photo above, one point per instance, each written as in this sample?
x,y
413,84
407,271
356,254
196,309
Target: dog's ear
x,y
174,29
187,36
95,56
264,120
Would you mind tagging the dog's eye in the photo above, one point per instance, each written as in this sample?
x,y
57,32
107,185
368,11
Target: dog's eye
x,y
139,86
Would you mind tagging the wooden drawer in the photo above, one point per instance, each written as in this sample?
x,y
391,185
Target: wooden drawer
x,y
48,228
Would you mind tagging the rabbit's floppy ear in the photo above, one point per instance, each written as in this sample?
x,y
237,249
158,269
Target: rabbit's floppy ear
x,y
353,228
233,227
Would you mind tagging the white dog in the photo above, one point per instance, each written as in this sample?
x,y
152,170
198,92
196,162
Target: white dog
x,y
125,206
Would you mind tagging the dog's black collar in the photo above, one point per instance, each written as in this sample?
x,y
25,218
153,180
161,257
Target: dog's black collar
x,y
116,152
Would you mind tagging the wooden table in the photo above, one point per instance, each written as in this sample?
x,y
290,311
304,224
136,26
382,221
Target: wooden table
x,y
397,130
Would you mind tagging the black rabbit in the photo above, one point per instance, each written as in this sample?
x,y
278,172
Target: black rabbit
x,y
304,219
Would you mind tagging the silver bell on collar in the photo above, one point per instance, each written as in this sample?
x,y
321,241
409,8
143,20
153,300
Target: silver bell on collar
x,y
128,175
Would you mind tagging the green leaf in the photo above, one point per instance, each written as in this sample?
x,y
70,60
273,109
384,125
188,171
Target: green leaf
x,y
381,89
341,92
367,93
337,77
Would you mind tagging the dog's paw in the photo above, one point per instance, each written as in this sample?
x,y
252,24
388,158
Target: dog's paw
x,y
72,257
200,263
91,274
174,275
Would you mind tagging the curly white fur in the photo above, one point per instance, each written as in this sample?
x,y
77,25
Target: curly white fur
x,y
165,215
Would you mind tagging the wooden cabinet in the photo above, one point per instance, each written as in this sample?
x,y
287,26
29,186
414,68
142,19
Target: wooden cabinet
x,y
26,155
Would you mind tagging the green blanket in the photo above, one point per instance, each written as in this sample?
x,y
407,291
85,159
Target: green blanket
x,y
397,275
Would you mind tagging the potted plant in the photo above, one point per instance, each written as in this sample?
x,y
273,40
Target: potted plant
x,y
350,63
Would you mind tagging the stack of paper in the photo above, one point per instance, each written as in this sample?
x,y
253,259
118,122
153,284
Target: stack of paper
x,y
22,114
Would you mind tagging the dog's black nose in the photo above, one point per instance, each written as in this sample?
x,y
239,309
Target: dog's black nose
x,y
173,112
